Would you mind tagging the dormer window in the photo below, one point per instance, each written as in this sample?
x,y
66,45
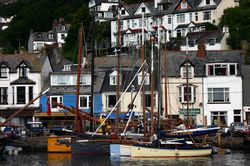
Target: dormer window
x,y
183,5
3,71
221,69
23,70
39,36
211,42
63,27
187,68
146,75
208,2
191,43
113,78
50,36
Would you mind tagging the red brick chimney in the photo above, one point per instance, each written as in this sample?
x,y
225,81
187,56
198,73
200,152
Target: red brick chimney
x,y
201,53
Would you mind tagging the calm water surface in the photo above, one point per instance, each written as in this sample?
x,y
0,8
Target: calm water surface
x,y
236,158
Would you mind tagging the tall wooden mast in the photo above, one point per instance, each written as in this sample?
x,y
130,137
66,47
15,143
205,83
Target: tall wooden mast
x,y
143,89
187,82
92,71
118,69
152,85
159,78
78,123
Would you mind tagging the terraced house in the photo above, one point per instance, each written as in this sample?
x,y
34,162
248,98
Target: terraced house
x,y
167,18
21,79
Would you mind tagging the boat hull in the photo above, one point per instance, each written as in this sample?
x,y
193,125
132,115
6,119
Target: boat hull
x,y
90,148
148,152
120,150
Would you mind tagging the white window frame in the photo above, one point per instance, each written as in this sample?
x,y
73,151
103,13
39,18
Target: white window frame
x,y
180,18
196,16
50,36
169,19
214,117
207,15
190,71
227,66
220,91
107,100
59,99
182,94
85,79
4,71
62,79
113,78
88,100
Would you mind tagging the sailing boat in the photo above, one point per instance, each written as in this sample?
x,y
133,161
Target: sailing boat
x,y
169,145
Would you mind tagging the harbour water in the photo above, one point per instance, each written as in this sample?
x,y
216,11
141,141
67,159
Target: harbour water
x,y
236,158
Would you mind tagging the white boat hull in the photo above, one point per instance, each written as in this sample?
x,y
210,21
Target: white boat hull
x,y
147,152
120,150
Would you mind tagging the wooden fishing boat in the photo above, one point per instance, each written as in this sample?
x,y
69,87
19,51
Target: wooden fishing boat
x,y
139,151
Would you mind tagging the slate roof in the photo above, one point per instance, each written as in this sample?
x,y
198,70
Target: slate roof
x,y
111,61
34,61
127,76
42,36
205,36
177,58
21,81
84,89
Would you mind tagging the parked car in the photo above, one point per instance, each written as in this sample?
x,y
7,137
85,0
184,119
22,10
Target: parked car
x,y
36,129
236,126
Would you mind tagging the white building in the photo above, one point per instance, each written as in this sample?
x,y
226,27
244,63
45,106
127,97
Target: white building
x,y
212,40
223,88
174,18
39,40
22,77
103,10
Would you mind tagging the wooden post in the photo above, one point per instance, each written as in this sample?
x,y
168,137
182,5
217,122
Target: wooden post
x,y
219,134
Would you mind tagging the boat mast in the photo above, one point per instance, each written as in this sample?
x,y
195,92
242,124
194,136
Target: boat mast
x,y
118,70
165,80
92,71
143,89
187,82
152,85
159,77
78,123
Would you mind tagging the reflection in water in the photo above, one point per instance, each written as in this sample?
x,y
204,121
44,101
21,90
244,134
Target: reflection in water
x,y
238,158
59,159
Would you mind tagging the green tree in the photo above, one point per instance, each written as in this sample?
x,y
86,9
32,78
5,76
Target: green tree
x,y
237,19
82,17
37,15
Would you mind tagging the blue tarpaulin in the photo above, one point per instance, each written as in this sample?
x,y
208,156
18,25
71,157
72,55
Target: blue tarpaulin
x,y
121,115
